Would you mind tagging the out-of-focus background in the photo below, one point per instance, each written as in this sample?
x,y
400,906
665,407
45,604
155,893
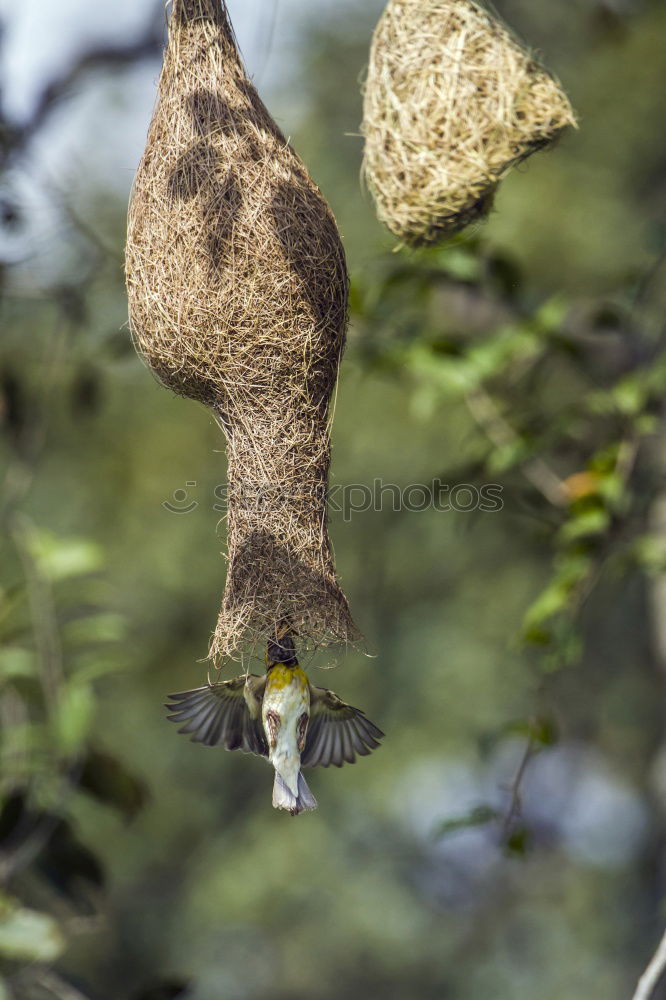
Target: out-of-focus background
x,y
507,841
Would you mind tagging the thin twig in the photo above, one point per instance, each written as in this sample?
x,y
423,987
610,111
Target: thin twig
x,y
487,415
626,458
83,227
98,58
22,469
515,789
42,612
653,972
16,860
14,763
57,986
269,35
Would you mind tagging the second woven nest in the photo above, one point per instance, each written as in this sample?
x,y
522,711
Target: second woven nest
x,y
452,101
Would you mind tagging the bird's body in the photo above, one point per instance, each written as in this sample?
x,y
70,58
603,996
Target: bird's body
x,y
287,699
281,716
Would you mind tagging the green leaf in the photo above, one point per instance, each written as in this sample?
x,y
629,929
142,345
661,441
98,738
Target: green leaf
x,y
541,731
27,743
518,841
478,816
600,401
503,348
27,935
612,488
649,551
424,402
10,599
507,456
552,314
16,661
62,558
586,524
571,570
536,635
458,263
566,647
106,779
451,375
646,423
550,602
74,716
105,627
89,664
630,395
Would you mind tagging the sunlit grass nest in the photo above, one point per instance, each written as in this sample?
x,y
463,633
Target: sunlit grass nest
x,y
237,290
451,102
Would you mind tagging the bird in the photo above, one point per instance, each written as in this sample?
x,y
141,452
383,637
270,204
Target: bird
x,y
279,715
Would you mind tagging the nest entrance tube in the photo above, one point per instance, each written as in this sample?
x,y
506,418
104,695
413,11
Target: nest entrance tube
x,y
237,288
281,565
451,102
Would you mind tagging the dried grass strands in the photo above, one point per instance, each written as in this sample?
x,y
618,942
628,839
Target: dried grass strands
x,y
237,290
451,102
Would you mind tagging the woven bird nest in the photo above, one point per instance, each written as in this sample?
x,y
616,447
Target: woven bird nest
x,y
237,290
452,101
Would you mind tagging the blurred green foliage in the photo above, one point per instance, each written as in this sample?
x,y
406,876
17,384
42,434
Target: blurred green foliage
x,y
507,840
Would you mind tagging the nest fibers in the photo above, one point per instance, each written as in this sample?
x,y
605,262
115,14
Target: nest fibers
x,y
237,290
452,101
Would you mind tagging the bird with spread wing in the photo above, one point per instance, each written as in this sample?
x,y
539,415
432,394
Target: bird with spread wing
x,y
281,716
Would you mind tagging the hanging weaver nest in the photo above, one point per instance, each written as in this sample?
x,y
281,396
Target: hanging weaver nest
x,y
237,290
452,101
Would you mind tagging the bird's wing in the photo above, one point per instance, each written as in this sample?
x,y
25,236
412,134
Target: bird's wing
x,y
337,732
227,713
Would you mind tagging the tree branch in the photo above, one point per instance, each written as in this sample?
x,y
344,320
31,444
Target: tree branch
x,y
499,432
653,972
15,137
515,789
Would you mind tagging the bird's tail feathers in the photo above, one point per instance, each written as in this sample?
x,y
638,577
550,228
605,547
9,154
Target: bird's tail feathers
x,y
284,798
306,799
